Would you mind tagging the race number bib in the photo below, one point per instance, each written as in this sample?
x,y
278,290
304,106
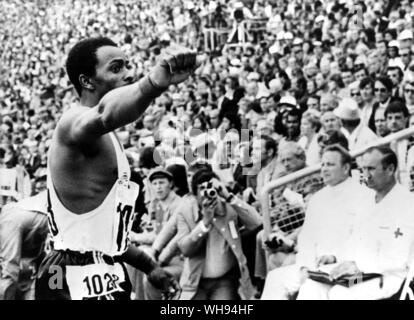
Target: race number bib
x,y
94,280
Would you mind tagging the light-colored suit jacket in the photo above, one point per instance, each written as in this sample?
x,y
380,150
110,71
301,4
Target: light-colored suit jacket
x,y
192,243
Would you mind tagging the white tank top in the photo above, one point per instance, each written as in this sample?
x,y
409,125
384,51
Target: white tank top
x,y
104,229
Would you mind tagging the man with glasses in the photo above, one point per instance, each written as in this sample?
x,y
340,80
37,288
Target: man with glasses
x,y
366,87
355,93
409,96
382,90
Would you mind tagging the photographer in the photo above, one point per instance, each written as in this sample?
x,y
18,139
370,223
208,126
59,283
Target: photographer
x,y
208,228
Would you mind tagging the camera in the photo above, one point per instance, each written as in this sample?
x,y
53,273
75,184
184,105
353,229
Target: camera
x,y
209,192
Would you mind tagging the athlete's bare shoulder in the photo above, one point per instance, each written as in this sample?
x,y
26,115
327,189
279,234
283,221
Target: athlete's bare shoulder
x,y
79,126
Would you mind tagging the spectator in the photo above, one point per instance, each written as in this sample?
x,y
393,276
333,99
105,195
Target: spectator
x,y
409,96
264,157
381,128
204,237
164,211
397,119
23,233
323,234
310,126
387,253
358,135
366,86
383,91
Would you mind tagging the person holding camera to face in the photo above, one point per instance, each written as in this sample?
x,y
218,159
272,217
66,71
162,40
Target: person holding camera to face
x,y
208,225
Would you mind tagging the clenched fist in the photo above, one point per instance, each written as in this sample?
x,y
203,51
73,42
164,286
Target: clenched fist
x,y
175,66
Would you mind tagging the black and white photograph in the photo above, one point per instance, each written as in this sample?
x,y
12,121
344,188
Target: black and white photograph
x,y
206,150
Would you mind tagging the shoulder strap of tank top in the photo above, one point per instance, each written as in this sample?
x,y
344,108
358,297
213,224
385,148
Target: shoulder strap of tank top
x,y
123,164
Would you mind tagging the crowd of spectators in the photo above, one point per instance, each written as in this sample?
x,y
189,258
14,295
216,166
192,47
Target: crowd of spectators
x,y
280,81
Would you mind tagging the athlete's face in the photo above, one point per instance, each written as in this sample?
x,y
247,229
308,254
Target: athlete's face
x,y
112,70
162,188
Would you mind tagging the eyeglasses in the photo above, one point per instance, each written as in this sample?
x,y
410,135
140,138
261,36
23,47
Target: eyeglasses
x,y
354,94
409,90
380,90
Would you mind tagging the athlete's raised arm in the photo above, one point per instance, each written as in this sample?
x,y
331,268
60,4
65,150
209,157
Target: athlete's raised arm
x,y
109,97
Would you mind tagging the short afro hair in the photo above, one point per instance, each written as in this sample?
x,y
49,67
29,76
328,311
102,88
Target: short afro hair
x,y
82,59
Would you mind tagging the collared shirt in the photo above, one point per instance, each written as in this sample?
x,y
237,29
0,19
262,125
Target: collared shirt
x,y
384,235
267,174
329,221
217,246
163,210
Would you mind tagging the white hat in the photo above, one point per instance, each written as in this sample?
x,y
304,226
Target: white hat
x,y
405,35
273,49
280,35
288,100
394,43
396,63
235,62
297,42
253,76
288,36
347,110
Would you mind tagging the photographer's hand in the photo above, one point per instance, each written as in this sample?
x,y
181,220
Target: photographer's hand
x,y
208,208
221,188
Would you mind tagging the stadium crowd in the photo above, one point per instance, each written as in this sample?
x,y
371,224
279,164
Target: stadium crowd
x,y
284,85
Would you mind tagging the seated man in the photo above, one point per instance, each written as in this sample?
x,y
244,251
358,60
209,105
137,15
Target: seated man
x,y
329,221
287,211
383,237
215,266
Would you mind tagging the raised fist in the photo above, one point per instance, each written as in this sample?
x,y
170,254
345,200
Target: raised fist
x,y
175,66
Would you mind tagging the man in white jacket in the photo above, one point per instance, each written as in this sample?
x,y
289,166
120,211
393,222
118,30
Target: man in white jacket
x,y
383,237
330,219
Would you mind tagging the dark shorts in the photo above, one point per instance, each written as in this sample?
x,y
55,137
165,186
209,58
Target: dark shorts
x,y
52,282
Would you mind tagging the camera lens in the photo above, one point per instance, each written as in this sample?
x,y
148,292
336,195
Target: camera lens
x,y
212,193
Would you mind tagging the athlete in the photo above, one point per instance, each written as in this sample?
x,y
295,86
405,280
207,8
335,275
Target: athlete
x,y
90,196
